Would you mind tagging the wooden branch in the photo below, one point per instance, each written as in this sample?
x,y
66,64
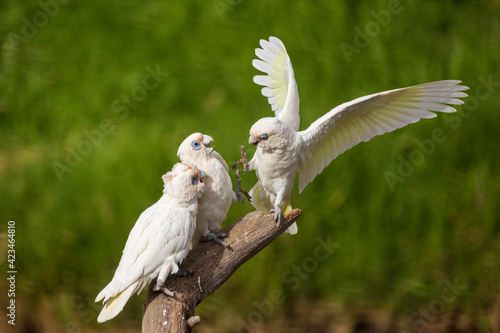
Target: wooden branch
x,y
211,264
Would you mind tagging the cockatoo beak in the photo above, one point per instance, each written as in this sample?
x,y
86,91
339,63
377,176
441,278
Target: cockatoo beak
x,y
202,174
207,140
253,141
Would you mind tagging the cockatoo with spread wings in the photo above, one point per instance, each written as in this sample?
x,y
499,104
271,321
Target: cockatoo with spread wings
x,y
218,194
282,149
158,242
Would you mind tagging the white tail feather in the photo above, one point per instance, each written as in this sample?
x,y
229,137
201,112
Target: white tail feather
x,y
114,305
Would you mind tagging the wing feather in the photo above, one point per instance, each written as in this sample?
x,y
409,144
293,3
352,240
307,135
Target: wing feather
x,y
280,86
363,118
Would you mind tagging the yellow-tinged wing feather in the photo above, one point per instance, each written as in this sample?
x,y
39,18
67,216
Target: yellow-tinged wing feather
x,y
280,86
361,119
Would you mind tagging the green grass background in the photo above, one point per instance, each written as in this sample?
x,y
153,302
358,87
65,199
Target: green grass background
x,y
395,247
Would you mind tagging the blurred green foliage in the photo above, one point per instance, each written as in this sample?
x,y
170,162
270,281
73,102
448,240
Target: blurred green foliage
x,y
73,67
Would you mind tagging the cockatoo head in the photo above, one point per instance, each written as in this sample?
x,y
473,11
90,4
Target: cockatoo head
x,y
269,134
184,182
195,146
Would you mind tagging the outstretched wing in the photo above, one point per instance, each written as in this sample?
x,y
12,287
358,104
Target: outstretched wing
x,y
279,84
363,118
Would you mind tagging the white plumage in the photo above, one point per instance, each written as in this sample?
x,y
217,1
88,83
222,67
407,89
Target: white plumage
x,y
282,150
218,194
158,242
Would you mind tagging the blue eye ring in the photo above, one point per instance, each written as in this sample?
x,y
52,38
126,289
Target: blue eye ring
x,y
194,180
196,145
264,137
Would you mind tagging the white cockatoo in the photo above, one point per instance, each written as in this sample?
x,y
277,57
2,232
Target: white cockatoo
x,y
218,194
282,149
158,242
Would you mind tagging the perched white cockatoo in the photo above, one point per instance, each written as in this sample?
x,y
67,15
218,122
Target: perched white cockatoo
x,y
282,150
218,194
158,242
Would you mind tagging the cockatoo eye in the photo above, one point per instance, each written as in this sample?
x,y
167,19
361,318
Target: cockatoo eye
x,y
194,180
264,137
196,145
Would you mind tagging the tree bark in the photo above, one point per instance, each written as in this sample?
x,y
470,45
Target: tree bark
x,y
211,265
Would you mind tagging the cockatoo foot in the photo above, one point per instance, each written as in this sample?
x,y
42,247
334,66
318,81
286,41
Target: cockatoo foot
x,y
160,285
277,215
216,238
182,272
